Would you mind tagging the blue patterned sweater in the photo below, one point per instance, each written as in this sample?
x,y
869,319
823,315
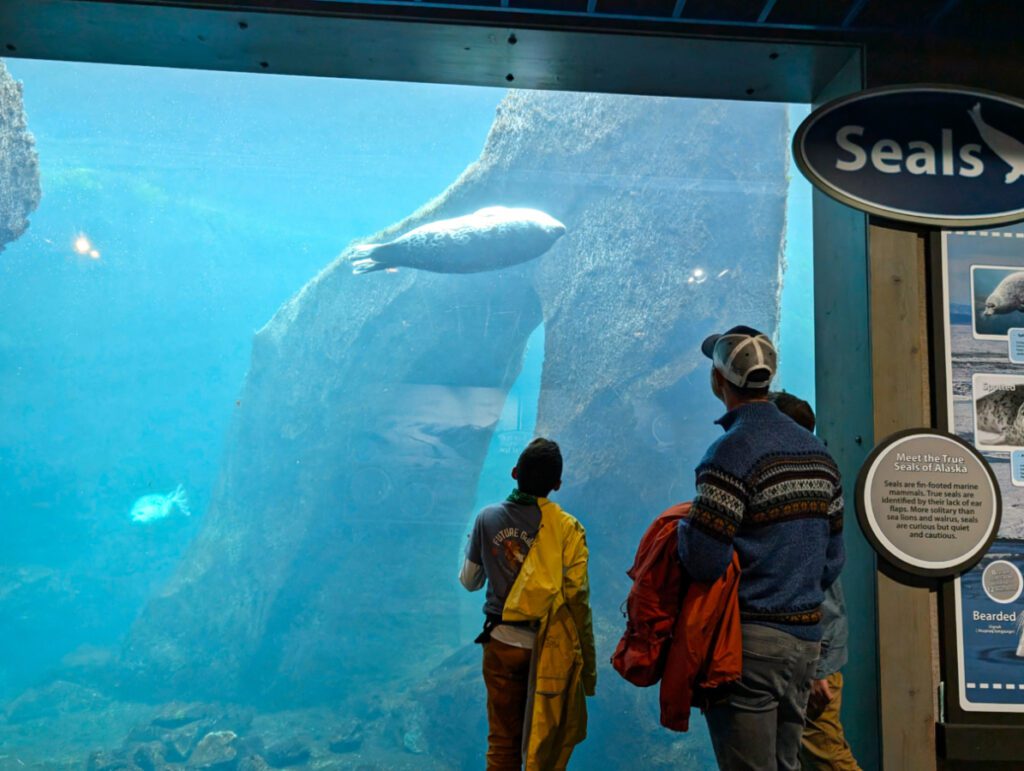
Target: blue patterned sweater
x,y
770,490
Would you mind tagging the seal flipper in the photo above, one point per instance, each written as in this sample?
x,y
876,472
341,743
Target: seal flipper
x,y
367,265
362,262
181,499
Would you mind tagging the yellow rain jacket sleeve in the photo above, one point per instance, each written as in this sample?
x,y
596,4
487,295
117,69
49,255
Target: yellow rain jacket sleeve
x,y
553,589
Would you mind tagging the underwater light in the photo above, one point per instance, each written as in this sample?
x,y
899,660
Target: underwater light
x,y
83,245
699,276
94,253
723,273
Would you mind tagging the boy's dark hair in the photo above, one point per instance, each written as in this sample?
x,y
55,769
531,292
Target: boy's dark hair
x,y
795,408
540,468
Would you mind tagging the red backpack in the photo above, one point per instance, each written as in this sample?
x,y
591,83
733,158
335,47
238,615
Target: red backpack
x,y
654,601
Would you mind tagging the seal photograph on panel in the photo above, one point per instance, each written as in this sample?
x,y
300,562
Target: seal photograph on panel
x,y
998,413
997,299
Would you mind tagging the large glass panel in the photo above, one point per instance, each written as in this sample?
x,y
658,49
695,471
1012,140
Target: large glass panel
x,y
238,471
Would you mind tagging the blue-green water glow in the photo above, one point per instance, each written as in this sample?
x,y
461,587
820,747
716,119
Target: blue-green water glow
x,y
796,323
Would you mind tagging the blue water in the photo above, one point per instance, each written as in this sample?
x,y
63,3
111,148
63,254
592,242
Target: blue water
x,y
209,200
796,324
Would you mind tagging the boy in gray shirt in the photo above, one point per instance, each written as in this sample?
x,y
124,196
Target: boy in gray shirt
x,y
501,538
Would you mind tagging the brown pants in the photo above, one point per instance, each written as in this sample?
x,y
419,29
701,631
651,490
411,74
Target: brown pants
x,y
824,747
507,677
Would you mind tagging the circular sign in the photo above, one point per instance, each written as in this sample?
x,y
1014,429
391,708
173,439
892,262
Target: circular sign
x,y
928,503
1002,582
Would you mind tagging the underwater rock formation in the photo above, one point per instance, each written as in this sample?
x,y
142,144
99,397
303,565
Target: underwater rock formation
x,y
328,558
19,164
58,697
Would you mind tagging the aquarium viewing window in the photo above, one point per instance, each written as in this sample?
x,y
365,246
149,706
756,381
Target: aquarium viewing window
x,y
246,417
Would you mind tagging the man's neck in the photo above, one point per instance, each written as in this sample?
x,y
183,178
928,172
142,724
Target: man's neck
x,y
732,401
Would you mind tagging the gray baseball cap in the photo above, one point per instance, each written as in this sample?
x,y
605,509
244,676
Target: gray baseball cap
x,y
744,356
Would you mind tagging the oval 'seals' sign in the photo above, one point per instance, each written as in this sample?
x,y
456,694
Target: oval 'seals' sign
x,y
937,155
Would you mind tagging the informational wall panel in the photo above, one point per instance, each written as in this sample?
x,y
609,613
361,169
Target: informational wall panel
x,y
983,281
928,503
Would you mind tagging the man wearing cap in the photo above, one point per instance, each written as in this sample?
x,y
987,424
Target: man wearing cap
x,y
769,490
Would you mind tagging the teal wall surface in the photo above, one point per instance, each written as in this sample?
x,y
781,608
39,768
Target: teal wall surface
x,y
845,422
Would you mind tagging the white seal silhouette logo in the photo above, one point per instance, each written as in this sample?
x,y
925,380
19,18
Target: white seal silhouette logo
x,y
1009,150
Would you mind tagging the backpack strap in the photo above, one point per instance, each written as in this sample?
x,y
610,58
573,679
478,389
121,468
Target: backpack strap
x,y
493,619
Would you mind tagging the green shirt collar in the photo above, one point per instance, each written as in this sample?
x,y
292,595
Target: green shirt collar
x,y
524,499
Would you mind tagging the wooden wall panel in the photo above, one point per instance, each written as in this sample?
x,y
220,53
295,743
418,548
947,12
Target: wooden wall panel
x,y
900,378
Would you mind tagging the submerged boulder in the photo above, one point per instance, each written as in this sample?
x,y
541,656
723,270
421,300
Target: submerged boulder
x,y
179,728
57,698
348,738
19,163
176,714
253,763
217,751
179,743
149,756
109,761
289,752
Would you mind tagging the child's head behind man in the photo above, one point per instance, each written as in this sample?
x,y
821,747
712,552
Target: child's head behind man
x,y
795,408
539,469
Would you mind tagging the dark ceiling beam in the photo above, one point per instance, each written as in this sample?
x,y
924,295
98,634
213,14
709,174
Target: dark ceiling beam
x,y
854,12
940,14
435,11
594,18
437,48
431,12
765,11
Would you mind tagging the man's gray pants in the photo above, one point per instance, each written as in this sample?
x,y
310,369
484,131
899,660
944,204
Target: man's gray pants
x,y
756,723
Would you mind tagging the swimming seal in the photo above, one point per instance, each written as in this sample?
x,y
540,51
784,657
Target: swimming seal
x,y
1000,413
489,239
1007,297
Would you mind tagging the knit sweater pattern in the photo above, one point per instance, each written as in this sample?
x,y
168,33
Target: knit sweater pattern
x,y
769,490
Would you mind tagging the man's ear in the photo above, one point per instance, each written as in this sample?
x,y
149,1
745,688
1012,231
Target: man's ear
x,y
718,382
515,473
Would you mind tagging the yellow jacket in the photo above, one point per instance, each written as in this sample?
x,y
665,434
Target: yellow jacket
x,y
553,589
